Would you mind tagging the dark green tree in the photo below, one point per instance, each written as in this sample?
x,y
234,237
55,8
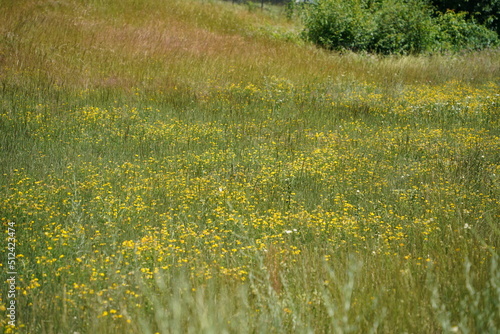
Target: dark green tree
x,y
393,26
486,12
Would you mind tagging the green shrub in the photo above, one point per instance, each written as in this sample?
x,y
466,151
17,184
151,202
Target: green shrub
x,y
392,27
340,25
456,33
485,12
402,27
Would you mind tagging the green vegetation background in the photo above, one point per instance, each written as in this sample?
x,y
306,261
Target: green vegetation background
x,y
397,26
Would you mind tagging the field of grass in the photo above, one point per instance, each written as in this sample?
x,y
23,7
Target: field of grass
x,y
190,166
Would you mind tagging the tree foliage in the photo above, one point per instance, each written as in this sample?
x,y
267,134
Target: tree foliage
x,y
486,12
393,26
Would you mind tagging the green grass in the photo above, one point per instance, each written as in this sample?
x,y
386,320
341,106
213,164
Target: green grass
x,y
191,166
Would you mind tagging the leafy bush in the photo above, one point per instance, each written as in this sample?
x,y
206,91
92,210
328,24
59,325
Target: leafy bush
x,y
402,27
339,25
456,33
392,26
485,12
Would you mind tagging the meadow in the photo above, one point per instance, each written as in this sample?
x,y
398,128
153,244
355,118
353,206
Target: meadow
x,y
195,167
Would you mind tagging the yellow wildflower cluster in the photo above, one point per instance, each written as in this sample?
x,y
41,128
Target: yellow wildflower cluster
x,y
150,190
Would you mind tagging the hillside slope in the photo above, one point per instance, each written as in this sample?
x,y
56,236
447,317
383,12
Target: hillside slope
x,y
163,44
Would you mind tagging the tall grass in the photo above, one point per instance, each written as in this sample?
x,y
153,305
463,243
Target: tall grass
x,y
188,166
